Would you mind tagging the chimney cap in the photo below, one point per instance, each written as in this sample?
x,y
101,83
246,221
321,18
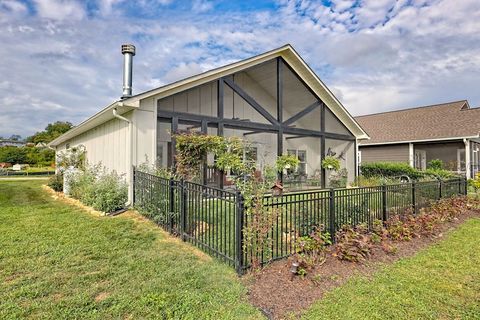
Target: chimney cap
x,y
128,48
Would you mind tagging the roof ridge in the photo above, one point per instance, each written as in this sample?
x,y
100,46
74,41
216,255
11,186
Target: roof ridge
x,y
213,70
413,108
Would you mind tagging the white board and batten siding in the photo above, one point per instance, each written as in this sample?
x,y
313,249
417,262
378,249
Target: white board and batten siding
x,y
106,144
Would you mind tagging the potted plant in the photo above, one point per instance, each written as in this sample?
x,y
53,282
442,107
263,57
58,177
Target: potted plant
x,y
286,162
331,163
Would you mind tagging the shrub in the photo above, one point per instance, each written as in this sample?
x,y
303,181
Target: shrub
x,y
103,191
56,182
110,193
353,243
82,184
475,182
401,227
389,169
435,164
439,174
311,250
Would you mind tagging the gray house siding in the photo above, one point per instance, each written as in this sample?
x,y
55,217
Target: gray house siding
x,y
447,152
385,153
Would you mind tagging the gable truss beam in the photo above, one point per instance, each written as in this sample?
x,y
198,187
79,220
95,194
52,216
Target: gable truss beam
x,y
303,113
250,101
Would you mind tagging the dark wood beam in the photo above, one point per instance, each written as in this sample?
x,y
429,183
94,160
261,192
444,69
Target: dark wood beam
x,y
220,115
247,125
252,132
303,113
280,112
250,101
322,144
174,144
297,137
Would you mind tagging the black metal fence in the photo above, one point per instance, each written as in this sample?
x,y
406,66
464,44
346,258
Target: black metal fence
x,y
214,219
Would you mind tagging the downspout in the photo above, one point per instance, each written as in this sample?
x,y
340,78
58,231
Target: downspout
x,y
129,155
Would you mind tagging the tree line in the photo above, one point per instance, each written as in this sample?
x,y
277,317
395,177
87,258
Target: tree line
x,y
30,154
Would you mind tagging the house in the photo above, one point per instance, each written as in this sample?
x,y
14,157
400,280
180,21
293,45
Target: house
x,y
11,143
41,145
19,167
4,165
274,100
448,131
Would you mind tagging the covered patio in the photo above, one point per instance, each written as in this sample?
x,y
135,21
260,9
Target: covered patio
x,y
270,106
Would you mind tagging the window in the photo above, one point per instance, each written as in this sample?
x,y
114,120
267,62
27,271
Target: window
x,y
302,157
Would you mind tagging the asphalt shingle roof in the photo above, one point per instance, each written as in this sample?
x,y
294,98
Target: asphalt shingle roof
x,y
447,120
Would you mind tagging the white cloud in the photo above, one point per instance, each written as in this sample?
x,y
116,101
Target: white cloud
x,y
13,6
67,69
202,5
60,9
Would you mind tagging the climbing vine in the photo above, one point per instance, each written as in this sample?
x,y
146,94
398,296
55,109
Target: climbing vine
x,y
232,155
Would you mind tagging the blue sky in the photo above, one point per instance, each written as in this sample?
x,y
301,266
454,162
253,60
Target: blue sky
x,y
61,58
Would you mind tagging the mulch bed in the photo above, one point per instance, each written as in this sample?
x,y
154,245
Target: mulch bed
x,y
278,295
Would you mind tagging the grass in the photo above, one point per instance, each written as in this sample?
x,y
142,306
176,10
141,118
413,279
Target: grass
x,y
442,282
57,261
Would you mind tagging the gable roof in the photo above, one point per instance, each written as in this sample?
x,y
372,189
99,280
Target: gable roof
x,y
287,52
434,122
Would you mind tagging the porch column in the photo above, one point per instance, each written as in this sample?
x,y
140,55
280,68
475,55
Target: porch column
x,y
411,155
467,158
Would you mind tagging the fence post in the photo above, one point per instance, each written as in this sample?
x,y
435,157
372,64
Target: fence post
x,y
331,211
171,204
184,209
384,202
414,204
240,212
465,186
439,188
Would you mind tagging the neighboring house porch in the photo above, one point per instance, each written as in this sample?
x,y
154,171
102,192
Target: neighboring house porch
x,y
449,132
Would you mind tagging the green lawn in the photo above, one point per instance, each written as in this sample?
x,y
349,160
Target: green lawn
x,y
442,282
57,261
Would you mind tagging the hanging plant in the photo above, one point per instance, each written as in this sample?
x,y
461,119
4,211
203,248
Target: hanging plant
x,y
286,162
331,163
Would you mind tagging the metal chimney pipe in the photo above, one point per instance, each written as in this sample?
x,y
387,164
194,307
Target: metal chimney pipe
x,y
128,51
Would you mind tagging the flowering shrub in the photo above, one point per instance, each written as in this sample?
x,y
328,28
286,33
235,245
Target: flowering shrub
x,y
106,192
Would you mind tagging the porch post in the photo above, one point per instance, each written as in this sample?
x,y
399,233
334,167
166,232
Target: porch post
x,y
280,113
205,159
411,155
467,158
322,143
220,118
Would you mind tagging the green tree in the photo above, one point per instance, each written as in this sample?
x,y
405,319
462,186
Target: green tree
x,y
13,154
15,137
51,132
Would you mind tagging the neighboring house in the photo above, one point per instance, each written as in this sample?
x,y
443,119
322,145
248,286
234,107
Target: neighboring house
x,y
274,100
11,143
448,131
41,145
4,165
19,167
